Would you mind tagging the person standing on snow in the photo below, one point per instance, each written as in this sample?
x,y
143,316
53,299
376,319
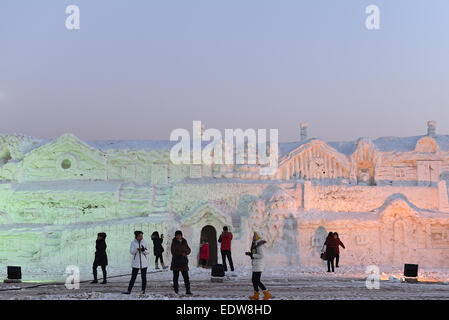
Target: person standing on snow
x,y
225,240
337,254
139,251
179,263
158,249
256,255
331,251
204,253
101,258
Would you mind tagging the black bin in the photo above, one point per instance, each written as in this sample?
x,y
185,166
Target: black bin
x,y
218,270
410,270
14,272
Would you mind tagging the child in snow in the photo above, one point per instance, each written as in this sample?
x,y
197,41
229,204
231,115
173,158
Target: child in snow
x,y
139,251
256,255
204,253
339,243
179,263
158,249
101,258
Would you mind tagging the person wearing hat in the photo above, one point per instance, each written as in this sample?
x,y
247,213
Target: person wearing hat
x,y
179,263
139,251
256,255
101,258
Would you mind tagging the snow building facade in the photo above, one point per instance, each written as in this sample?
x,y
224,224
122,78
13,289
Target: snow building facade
x,y
386,197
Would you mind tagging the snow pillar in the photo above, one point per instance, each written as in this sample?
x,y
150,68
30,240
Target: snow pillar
x,y
443,202
431,128
307,195
303,131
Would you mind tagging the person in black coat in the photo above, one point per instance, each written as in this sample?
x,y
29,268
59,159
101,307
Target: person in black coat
x,y
158,249
101,258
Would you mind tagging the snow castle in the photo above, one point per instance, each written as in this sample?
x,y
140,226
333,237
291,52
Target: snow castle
x,y
386,197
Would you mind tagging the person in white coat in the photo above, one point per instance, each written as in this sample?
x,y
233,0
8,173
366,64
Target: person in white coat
x,y
256,255
139,251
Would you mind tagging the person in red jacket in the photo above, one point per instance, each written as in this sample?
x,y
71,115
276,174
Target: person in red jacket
x,y
204,253
339,243
331,251
225,240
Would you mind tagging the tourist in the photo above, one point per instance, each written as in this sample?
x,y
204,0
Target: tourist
x,y
158,249
101,258
204,253
139,251
225,240
331,251
256,255
337,254
180,250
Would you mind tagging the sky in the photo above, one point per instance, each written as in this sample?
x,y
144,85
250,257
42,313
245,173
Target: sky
x,y
138,69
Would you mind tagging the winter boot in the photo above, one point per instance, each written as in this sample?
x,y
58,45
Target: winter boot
x,y
157,266
104,277
255,296
94,271
267,295
164,266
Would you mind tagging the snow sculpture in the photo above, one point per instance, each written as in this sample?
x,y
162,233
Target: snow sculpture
x,y
386,197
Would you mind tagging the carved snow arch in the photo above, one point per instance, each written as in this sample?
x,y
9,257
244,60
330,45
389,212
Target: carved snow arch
x,y
364,161
314,160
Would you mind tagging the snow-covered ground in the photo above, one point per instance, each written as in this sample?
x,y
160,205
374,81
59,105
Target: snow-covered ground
x,y
285,283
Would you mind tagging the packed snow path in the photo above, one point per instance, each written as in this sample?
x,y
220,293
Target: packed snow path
x,y
285,284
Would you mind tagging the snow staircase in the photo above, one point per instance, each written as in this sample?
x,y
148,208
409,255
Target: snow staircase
x,y
161,194
134,195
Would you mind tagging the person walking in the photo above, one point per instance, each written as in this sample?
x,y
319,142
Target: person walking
x,y
204,253
256,255
158,249
331,251
225,240
179,263
139,251
337,254
101,258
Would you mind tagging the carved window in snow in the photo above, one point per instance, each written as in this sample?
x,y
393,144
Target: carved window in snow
x,y
30,214
399,172
439,236
195,171
361,240
128,172
66,162
159,173
207,170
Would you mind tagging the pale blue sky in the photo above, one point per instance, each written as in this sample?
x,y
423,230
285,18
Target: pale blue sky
x,y
138,69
